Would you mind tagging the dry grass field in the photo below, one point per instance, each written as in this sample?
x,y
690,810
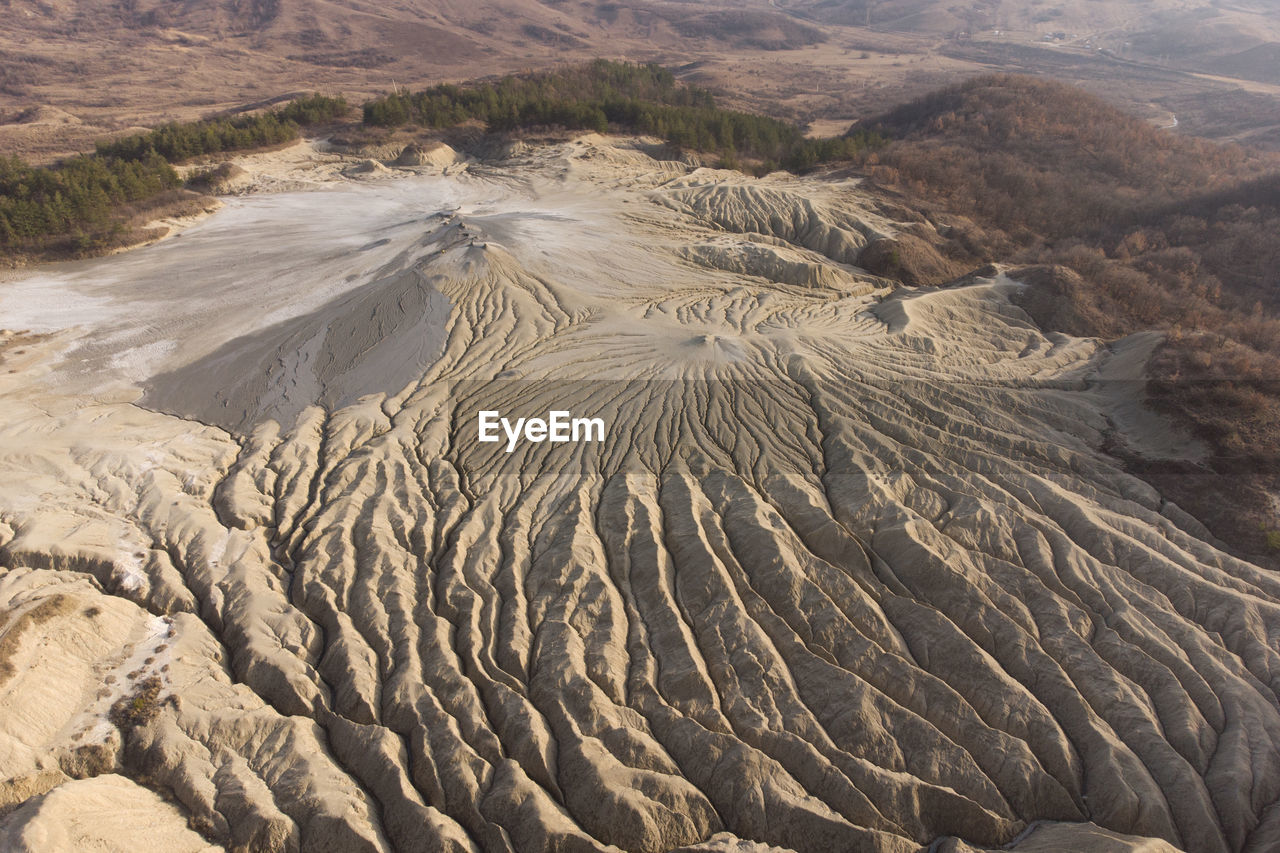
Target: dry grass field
x,y
74,72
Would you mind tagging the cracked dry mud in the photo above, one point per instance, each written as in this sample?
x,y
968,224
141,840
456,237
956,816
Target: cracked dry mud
x,y
848,573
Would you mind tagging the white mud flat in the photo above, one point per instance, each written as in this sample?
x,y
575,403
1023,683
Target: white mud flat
x,y
846,570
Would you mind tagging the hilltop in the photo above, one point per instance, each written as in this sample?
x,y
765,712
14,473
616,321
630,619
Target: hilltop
x,y
1048,157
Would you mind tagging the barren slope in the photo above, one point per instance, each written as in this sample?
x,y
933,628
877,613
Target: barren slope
x,y
63,84
848,571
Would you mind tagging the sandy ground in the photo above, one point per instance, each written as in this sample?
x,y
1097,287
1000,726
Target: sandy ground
x,y
848,570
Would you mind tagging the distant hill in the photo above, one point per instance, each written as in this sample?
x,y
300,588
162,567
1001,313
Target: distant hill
x,y
748,28
242,50
1049,164
1029,153
188,59
1236,40
410,37
1240,40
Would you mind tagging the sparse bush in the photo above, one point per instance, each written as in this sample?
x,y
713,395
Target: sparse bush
x,y
314,109
138,708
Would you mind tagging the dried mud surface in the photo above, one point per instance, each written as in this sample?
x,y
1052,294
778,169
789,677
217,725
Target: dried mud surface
x,y
848,572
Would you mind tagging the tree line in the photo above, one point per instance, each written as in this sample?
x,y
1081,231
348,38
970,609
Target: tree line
x,y
78,202
80,199
181,141
74,198
501,101
616,96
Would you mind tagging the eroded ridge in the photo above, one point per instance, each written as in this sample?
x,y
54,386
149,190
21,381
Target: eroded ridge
x,y
847,573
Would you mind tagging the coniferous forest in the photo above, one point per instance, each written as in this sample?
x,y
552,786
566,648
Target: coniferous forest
x,y
178,142
75,205
75,198
82,203
606,96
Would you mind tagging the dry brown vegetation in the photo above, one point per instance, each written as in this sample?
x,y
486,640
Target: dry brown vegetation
x,y
11,634
138,708
191,60
1131,228
744,28
1042,159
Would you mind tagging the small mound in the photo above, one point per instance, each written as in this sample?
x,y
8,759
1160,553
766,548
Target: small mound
x,y
908,259
772,211
366,168
775,263
103,813
435,154
374,339
45,114
221,180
